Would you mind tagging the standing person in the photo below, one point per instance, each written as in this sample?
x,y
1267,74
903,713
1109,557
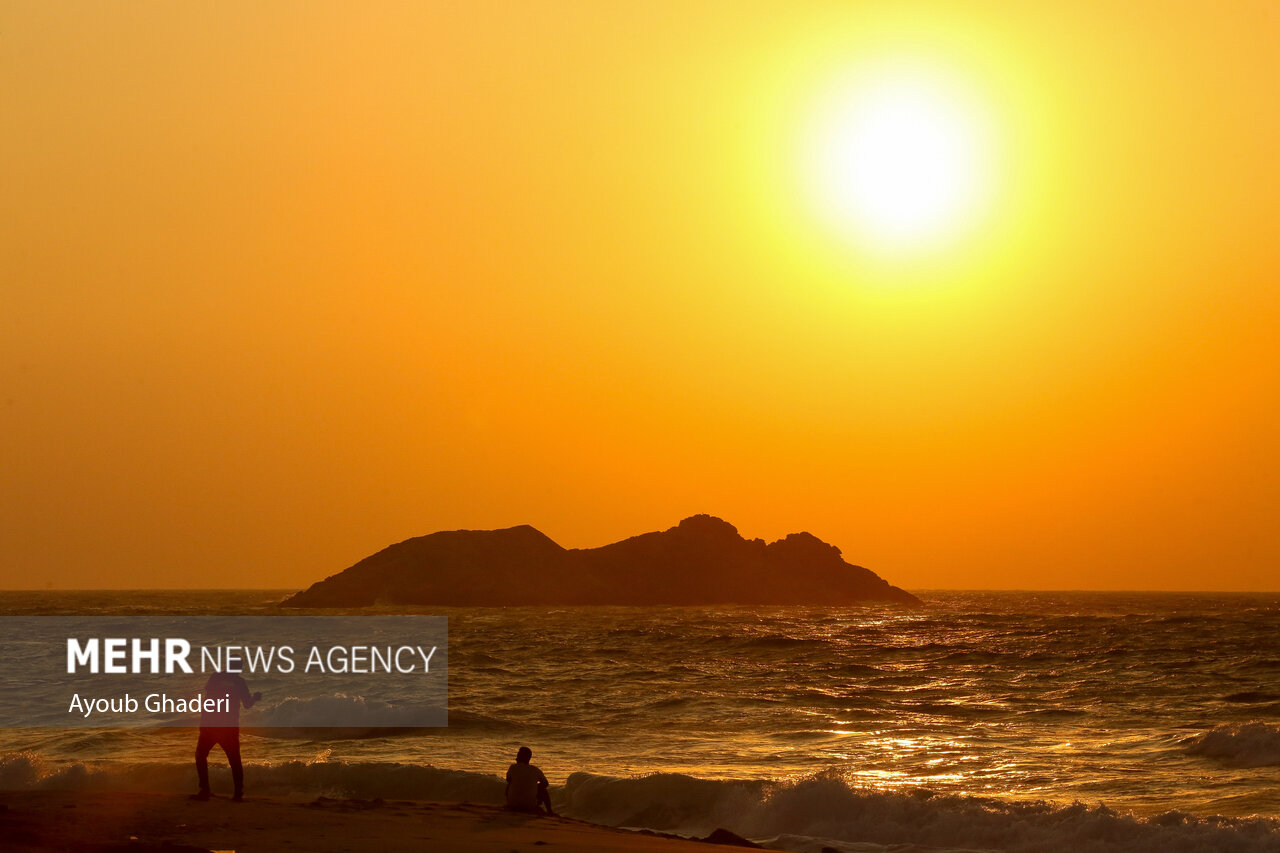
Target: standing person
x,y
526,786
222,727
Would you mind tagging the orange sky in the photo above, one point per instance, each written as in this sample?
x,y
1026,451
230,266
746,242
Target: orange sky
x,y
286,282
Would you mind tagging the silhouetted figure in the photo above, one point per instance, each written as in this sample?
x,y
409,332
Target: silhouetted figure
x,y
526,786
222,727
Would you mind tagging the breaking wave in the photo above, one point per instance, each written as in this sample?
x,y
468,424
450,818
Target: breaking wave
x,y
1240,745
823,811
806,816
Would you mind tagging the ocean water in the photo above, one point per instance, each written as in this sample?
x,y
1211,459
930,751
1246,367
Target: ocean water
x,y
984,721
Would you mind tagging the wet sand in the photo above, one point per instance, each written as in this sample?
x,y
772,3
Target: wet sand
x,y
98,822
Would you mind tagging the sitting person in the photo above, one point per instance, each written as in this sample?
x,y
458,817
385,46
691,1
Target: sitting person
x,y
526,786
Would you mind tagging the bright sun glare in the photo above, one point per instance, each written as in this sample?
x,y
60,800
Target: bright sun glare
x,y
897,161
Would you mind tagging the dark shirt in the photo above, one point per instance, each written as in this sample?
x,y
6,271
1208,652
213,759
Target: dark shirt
x,y
523,781
231,689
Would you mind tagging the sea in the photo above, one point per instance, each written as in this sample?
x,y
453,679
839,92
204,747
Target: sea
x,y
982,721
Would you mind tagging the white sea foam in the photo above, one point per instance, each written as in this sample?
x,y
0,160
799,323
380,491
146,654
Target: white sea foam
x,y
1240,745
824,811
803,816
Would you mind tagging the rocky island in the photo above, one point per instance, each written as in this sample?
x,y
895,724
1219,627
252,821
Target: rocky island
x,y
703,560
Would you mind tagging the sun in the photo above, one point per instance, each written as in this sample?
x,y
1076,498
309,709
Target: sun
x,y
898,160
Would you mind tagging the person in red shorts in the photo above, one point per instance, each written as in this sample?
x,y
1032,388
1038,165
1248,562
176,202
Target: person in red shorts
x,y
221,727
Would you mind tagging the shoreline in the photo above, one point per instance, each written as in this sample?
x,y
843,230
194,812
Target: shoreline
x,y
102,821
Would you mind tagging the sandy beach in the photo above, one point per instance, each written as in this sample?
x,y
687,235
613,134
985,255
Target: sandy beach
x,y
95,822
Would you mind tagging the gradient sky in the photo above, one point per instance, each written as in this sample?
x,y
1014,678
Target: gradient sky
x,y
283,283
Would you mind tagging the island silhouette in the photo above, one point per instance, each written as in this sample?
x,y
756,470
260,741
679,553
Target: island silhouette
x,y
702,560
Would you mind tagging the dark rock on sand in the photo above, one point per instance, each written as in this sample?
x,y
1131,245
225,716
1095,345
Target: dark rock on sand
x,y
730,839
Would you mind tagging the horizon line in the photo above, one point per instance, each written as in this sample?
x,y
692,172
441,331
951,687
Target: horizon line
x,y
292,589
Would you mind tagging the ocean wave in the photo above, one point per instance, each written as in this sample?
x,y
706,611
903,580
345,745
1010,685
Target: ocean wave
x,y
806,815
300,724
1251,696
852,669
825,811
783,643
1055,713
356,711
1240,745
969,656
312,718
316,777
